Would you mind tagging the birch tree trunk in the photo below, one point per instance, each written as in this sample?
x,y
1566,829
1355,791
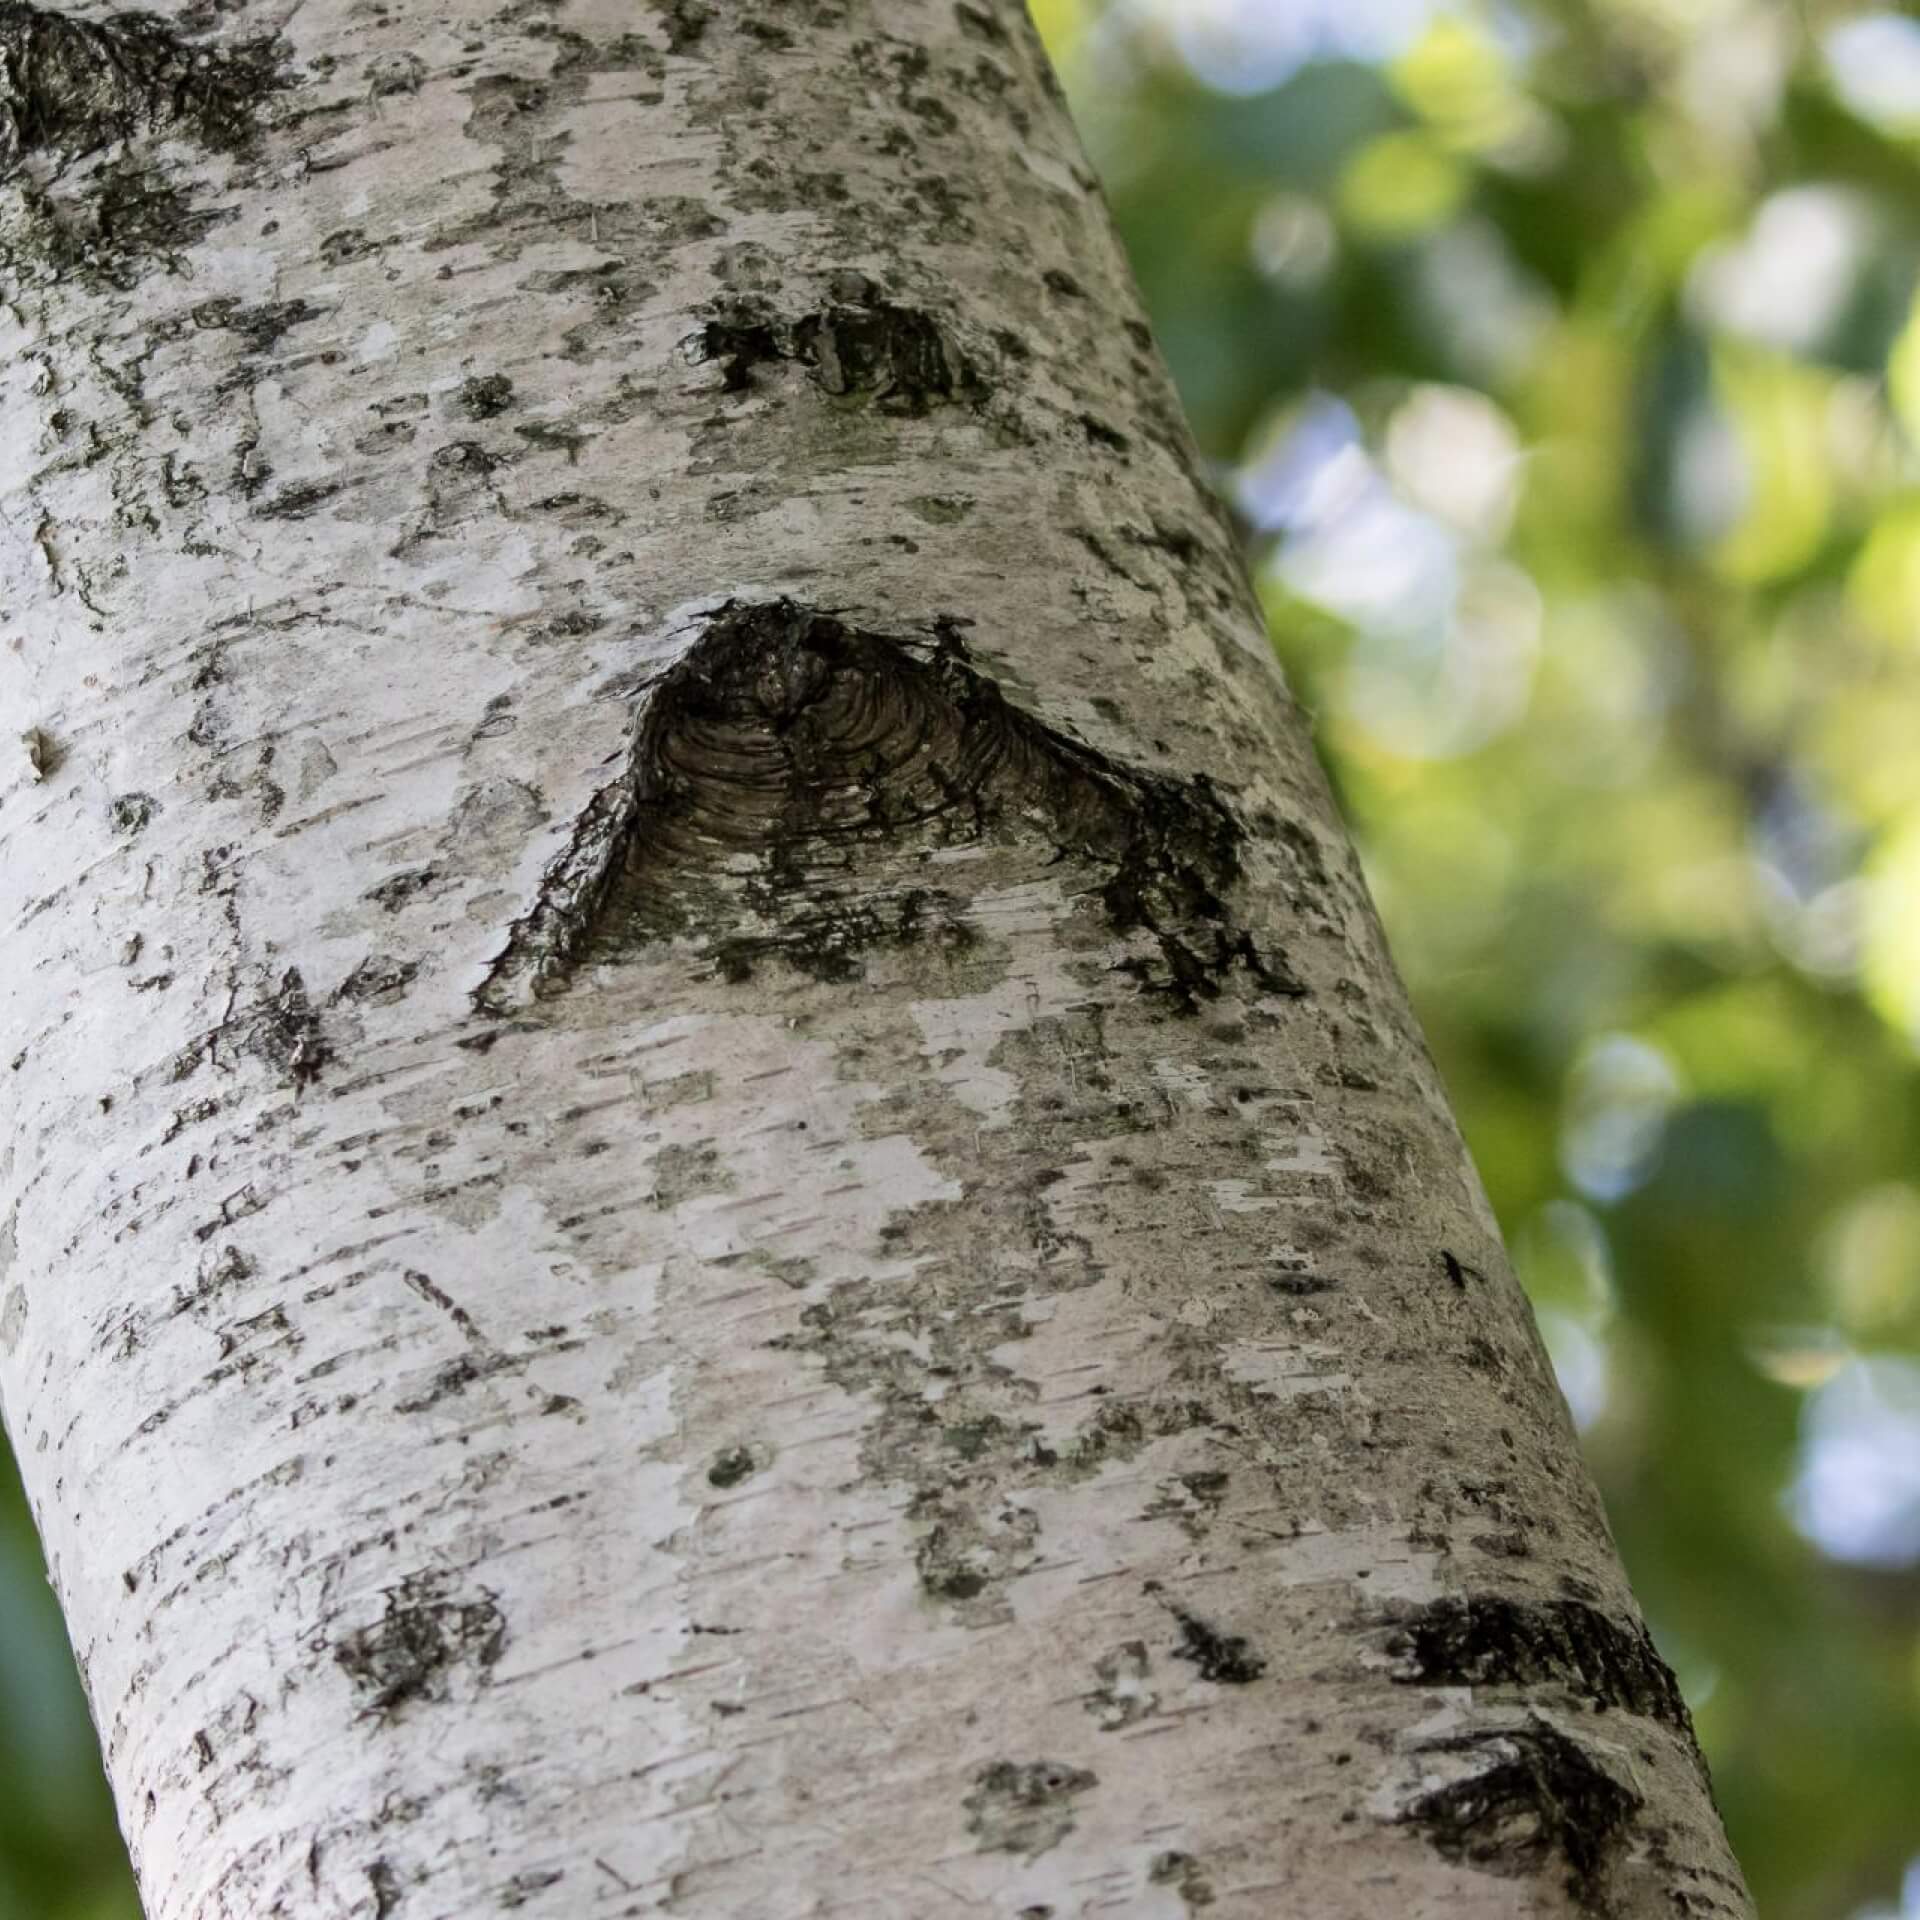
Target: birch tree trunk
x,y
713,1196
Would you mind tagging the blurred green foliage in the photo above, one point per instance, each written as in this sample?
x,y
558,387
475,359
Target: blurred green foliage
x,y
1562,360
60,1856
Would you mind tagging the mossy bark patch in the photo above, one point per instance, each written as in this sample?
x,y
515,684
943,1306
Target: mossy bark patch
x,y
1024,1807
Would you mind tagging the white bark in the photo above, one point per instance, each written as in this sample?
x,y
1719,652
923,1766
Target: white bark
x,y
714,1199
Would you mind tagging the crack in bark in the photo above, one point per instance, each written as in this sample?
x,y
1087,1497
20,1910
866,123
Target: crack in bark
x,y
787,739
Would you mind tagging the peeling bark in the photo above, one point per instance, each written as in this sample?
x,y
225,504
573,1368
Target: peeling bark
x,y
713,1196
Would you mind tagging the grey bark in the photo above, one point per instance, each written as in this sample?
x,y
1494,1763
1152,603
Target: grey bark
x,y
715,1199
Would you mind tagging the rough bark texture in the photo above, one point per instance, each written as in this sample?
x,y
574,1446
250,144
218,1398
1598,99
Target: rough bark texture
x,y
713,1198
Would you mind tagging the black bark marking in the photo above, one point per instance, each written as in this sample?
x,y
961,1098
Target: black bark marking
x,y
786,735
980,24
379,978
1024,1808
282,1028
685,21
1185,1875
1537,1796
69,87
259,327
384,1884
1226,1659
1488,1641
299,500
1123,1696
131,813
399,889
861,343
731,1466
739,340
485,395
523,1886
426,1635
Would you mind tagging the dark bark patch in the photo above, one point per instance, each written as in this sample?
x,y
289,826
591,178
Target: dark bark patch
x,y
258,327
485,395
686,22
1024,1807
284,1030
731,1466
126,221
1532,1797
738,341
1103,434
131,813
860,344
897,354
978,23
1226,1659
426,1635
687,1172
297,501
784,740
1493,1641
69,87
1185,1875
379,979
398,889
384,1884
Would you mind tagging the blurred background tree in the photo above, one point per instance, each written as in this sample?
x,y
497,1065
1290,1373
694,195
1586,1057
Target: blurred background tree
x,y
1561,360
